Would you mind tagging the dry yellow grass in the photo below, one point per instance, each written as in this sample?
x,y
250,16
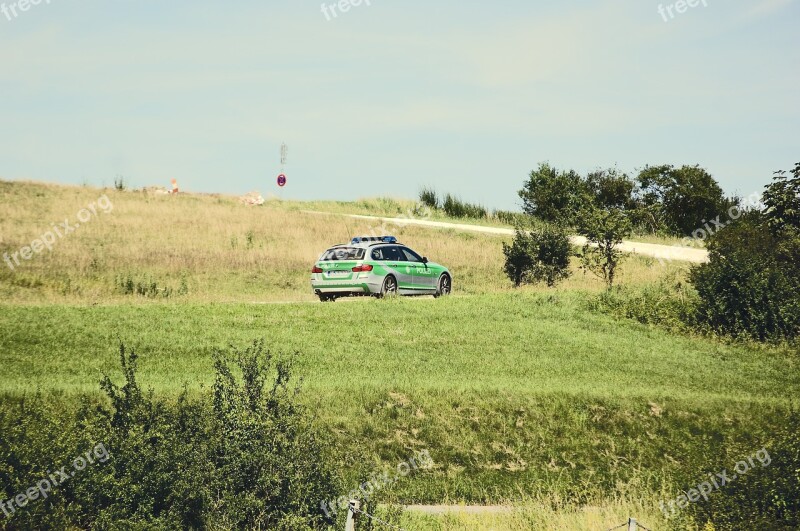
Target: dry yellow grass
x,y
607,514
201,247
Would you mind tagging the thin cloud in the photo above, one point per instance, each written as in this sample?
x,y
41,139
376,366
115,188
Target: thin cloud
x,y
767,7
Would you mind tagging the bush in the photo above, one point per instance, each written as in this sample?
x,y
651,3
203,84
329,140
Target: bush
x,y
540,255
242,457
767,496
604,231
749,287
456,208
428,197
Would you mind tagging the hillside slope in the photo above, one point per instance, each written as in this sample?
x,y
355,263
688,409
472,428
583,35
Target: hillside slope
x,y
521,396
195,247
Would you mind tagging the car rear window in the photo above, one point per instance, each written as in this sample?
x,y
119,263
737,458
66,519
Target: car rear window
x,y
343,253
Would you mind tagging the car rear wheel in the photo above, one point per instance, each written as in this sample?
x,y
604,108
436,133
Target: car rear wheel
x,y
445,285
389,287
327,298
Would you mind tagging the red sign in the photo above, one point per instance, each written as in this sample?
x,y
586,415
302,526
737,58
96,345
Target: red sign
x,y
281,180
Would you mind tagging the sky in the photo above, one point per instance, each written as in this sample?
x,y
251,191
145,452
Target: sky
x,y
466,97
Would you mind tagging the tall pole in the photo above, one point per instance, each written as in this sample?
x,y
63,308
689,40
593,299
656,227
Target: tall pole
x,y
284,156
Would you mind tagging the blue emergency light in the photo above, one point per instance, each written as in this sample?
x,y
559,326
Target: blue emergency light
x,y
384,239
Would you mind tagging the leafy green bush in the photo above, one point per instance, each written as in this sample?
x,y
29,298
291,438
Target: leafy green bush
x,y
539,255
765,496
242,457
749,287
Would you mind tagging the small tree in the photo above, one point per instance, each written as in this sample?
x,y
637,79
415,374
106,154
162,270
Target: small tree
x,y
679,199
611,189
604,231
554,196
539,255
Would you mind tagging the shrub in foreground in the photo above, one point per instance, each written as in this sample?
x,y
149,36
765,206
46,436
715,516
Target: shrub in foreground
x,y
242,457
749,287
761,493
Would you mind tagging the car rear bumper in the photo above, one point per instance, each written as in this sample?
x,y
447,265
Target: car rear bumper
x,y
362,283
341,289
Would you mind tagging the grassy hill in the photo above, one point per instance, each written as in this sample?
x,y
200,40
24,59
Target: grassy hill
x,y
204,248
521,396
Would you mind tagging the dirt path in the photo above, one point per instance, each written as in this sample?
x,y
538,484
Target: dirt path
x,y
654,250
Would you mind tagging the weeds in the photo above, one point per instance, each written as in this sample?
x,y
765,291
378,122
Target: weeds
x,y
456,208
429,198
129,285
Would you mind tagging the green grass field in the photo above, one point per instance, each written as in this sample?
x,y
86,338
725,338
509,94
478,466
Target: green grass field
x,y
523,396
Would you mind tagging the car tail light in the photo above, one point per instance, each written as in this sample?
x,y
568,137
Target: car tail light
x,y
362,268
316,270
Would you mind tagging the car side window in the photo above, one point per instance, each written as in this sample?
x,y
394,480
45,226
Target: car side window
x,y
392,253
410,255
377,254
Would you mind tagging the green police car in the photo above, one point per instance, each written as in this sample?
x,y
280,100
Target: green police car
x,y
378,266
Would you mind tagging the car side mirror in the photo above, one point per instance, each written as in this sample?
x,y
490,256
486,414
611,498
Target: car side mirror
x,y
424,259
